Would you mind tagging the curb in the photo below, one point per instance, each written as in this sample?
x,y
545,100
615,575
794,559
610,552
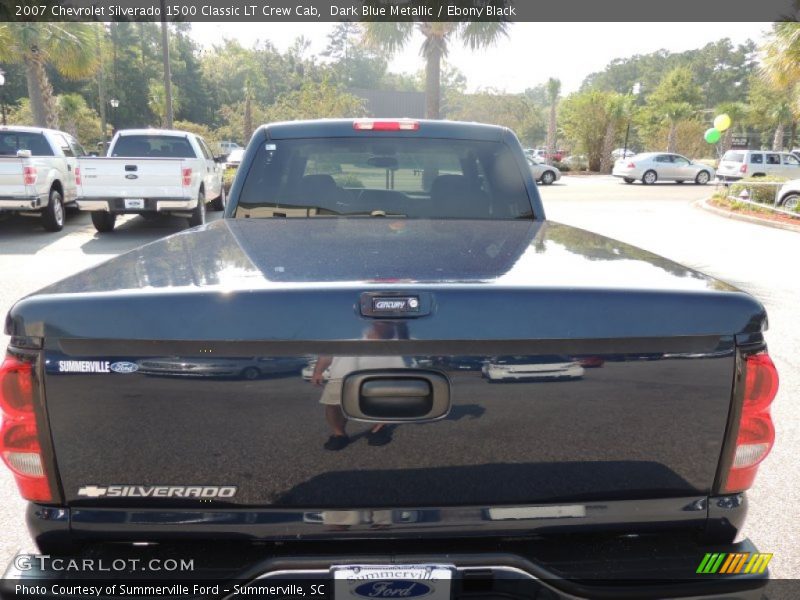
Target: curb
x,y
704,205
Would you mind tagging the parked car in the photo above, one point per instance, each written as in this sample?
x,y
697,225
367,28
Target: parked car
x,y
573,486
544,173
789,195
578,162
226,147
151,172
622,153
737,164
542,155
234,158
517,368
650,167
37,172
242,368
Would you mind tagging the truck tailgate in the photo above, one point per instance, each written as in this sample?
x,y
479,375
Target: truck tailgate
x,y
565,384
11,179
131,178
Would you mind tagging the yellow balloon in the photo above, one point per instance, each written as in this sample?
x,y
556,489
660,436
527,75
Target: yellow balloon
x,y
722,122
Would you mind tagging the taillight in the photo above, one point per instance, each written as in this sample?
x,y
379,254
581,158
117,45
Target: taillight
x,y
756,433
186,173
29,175
631,165
373,125
77,176
743,168
19,436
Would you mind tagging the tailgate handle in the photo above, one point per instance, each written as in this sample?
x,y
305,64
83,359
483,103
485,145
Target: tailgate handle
x,y
396,395
131,168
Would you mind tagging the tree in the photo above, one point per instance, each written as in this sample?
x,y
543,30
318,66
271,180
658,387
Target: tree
x,y
159,102
781,69
393,36
514,111
553,91
674,100
69,48
770,108
353,64
585,121
315,101
617,108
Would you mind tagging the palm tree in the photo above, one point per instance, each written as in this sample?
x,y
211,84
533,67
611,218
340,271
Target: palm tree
x,y
553,91
617,109
70,48
781,69
392,37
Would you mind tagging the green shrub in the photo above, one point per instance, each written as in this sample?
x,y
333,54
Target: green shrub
x,y
764,194
227,178
563,167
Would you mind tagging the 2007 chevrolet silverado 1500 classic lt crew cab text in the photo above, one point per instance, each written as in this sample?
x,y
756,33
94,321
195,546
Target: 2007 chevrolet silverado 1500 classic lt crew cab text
x,y
151,172
490,394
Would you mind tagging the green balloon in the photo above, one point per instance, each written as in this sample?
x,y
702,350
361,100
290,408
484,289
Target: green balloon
x,y
712,135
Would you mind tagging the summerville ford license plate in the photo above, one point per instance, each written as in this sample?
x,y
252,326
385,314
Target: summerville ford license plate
x,y
431,582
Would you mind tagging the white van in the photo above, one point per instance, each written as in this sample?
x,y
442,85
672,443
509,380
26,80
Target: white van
x,y
737,164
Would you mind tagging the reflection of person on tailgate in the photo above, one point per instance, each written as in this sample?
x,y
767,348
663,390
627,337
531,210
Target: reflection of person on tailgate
x,y
340,367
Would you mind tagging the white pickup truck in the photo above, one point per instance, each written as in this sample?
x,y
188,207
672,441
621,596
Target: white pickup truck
x,y
37,172
151,172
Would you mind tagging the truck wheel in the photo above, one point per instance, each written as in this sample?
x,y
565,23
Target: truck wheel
x,y
219,202
103,221
702,178
649,177
199,213
53,213
790,201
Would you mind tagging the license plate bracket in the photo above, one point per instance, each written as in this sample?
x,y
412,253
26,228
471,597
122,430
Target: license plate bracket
x,y
134,203
362,582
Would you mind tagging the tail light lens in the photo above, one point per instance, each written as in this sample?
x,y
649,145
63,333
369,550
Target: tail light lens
x,y
78,179
631,165
743,168
29,175
19,435
16,388
186,174
756,434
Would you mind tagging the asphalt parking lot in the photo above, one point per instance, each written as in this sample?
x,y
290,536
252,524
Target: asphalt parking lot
x,y
660,218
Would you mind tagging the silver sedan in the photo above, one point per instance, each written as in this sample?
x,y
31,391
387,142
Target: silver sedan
x,y
650,167
544,173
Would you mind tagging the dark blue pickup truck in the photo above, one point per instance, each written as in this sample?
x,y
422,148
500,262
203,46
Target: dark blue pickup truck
x,y
386,364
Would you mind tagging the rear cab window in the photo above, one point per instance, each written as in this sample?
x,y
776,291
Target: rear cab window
x,y
384,176
153,146
11,141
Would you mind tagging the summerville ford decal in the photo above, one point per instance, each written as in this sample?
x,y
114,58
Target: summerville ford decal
x,y
96,366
